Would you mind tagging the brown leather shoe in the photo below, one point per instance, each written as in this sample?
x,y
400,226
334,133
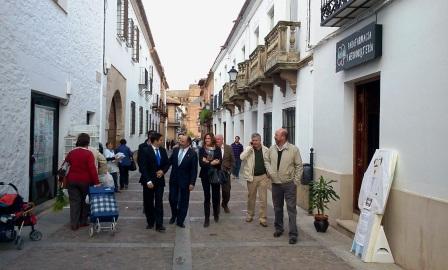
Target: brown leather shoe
x,y
226,209
249,219
263,224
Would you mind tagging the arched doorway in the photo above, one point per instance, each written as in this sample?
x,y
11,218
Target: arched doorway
x,y
114,131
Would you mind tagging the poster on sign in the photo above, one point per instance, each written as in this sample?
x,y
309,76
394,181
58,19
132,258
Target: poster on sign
x,y
375,189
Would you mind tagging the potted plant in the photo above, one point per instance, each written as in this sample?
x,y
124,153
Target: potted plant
x,y
321,194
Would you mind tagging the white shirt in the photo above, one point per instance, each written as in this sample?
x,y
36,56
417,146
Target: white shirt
x,y
182,152
222,151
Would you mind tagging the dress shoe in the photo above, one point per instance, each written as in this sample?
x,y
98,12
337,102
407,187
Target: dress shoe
x,y
216,218
172,220
249,219
125,186
278,234
181,225
74,227
161,229
206,222
149,227
226,209
292,240
263,224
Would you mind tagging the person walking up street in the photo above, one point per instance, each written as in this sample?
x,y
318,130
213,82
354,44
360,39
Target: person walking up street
x,y
254,172
112,163
227,164
154,163
124,164
284,166
82,174
184,171
237,149
210,157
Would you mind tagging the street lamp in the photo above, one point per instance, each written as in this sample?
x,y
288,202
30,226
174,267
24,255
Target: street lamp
x,y
232,73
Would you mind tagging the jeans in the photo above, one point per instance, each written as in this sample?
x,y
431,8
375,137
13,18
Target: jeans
x,y
281,193
236,169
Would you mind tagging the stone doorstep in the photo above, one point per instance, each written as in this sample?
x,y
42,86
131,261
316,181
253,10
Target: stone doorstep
x,y
346,226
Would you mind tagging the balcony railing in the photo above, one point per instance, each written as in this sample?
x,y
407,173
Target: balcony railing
x,y
282,55
257,62
282,52
338,12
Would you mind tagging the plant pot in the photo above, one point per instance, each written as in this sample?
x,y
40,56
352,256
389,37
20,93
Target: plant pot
x,y
321,223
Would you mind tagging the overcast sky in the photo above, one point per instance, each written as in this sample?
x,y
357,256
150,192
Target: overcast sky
x,y
189,35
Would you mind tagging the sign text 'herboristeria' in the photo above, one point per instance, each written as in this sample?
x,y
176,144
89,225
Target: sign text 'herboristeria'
x,y
360,47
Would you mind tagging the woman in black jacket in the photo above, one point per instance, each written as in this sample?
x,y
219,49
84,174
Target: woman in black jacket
x,y
210,157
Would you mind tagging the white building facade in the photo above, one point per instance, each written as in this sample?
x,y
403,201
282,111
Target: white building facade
x,y
134,92
349,101
50,81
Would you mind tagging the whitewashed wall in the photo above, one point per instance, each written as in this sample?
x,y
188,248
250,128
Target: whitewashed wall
x,y
120,56
413,109
41,48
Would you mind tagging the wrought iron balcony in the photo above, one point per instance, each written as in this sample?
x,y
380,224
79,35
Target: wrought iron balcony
x,y
282,55
261,84
338,12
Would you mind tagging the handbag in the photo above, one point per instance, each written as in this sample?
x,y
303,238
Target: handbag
x,y
213,176
62,174
132,167
223,176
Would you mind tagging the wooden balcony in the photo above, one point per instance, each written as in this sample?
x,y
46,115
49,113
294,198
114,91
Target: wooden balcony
x,y
257,81
282,55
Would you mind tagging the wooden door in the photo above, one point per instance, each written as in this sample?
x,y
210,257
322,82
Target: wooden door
x,y
366,131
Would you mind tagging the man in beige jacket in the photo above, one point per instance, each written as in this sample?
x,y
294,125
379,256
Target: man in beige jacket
x,y
254,172
285,169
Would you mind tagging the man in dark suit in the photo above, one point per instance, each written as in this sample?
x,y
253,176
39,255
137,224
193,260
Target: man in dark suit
x,y
228,161
184,171
153,163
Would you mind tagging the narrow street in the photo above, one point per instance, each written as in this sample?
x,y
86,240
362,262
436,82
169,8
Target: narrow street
x,y
230,244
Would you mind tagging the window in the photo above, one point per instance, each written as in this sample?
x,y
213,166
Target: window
x,y
267,129
289,123
257,35
132,117
271,18
122,19
243,51
151,77
150,121
140,119
130,35
146,122
136,45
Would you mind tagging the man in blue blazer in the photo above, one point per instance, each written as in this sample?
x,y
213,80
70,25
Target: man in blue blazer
x,y
184,171
153,164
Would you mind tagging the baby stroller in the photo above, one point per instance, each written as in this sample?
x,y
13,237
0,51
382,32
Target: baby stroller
x,y
14,212
103,209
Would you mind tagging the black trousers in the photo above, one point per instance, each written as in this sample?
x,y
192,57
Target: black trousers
x,y
226,192
215,195
179,199
115,177
124,176
79,210
153,205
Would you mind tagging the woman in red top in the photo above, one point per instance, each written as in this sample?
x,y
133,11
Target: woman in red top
x,y
81,175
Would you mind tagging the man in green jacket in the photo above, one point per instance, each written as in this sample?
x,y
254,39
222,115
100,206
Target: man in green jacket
x,y
284,167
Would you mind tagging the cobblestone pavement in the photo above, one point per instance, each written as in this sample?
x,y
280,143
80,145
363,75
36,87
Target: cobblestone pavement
x,y
229,244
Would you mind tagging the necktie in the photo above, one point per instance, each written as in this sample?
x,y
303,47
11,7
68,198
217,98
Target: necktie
x,y
179,158
158,157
